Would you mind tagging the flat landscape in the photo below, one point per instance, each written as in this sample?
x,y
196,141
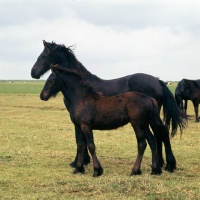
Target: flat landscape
x,y
37,144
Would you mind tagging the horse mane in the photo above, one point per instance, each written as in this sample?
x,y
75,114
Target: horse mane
x,y
73,63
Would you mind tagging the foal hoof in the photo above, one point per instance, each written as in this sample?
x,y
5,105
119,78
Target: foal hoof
x,y
138,172
98,172
156,171
79,170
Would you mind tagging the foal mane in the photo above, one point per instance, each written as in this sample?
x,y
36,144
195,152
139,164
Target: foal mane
x,y
87,88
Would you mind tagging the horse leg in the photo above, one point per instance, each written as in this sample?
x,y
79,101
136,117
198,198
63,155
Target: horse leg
x,y
185,106
170,159
159,146
98,170
181,105
141,148
156,169
81,145
179,101
162,132
86,157
196,107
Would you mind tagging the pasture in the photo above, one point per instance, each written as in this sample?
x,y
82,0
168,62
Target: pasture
x,y
37,144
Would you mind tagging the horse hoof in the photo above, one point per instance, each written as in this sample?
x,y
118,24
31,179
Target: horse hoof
x,y
156,171
138,172
98,172
79,170
73,164
170,168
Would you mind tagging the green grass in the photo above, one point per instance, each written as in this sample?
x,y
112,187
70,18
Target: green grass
x,y
34,87
37,144
21,87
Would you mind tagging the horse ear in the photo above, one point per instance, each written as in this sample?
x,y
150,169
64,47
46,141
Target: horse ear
x,y
45,43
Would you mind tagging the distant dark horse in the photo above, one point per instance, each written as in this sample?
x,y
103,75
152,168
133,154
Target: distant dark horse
x,y
149,85
91,111
188,90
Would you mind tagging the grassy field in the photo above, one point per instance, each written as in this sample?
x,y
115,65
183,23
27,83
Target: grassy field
x,y
37,144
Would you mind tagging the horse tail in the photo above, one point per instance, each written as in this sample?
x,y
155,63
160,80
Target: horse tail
x,y
171,111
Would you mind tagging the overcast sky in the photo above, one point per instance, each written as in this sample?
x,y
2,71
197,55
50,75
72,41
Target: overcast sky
x,y
113,38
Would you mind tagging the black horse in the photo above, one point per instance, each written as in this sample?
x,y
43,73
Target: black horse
x,y
149,85
188,90
181,95
91,111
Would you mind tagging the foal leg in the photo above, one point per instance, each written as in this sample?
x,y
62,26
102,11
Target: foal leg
x,y
86,157
141,148
98,170
152,143
81,145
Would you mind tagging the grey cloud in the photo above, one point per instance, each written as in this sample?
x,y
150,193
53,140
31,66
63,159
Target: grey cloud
x,y
23,12
124,45
127,15
139,16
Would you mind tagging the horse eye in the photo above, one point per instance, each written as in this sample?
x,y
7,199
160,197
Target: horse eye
x,y
52,81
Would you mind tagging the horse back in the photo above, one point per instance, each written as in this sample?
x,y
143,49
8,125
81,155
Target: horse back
x,y
138,82
146,84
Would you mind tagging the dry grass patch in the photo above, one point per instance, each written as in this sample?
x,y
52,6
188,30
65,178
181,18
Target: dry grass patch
x,y
37,144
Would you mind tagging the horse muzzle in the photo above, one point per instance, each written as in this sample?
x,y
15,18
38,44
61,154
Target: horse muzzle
x,y
44,96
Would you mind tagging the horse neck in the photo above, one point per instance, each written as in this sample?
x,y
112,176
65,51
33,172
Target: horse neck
x,y
88,75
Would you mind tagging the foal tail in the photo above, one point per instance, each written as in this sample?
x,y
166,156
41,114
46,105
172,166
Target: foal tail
x,y
171,111
155,121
